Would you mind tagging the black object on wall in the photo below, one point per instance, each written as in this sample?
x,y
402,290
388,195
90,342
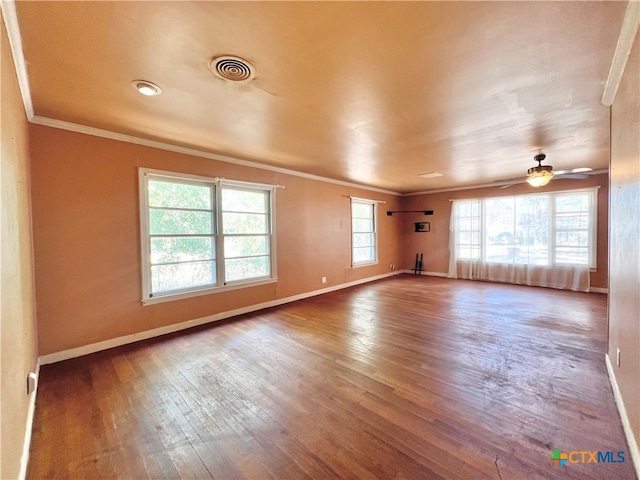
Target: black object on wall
x,y
425,212
422,227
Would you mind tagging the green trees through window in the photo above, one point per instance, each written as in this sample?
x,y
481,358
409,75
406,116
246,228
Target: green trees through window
x,y
199,233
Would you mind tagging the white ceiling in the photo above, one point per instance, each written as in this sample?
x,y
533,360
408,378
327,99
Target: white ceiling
x,y
374,93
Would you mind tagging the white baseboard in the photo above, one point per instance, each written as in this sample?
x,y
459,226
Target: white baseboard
x,y
430,274
156,332
24,459
598,290
626,426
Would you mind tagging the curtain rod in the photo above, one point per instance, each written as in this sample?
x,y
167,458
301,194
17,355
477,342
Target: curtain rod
x,y
425,212
367,200
242,182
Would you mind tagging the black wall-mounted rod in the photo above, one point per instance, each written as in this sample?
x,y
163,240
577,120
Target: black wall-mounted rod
x,y
425,212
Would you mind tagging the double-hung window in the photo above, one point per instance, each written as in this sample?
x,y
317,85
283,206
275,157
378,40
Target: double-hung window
x,y
364,241
200,235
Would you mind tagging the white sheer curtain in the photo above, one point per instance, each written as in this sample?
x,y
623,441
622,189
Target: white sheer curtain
x,y
543,240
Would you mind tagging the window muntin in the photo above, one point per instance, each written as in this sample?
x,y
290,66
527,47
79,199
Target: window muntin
x,y
468,230
553,229
363,233
200,234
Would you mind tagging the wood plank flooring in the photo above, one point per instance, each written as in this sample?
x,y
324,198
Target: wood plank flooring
x,y
404,378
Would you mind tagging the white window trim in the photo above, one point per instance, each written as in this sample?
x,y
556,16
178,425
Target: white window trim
x,y
147,297
374,204
593,226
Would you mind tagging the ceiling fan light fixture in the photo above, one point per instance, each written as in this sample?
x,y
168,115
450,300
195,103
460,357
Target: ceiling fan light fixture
x,y
146,88
539,176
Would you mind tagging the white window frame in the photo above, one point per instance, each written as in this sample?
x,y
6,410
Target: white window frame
x,y
218,184
592,228
374,208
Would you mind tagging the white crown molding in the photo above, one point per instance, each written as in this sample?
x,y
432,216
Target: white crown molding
x,y
625,42
15,41
628,33
97,132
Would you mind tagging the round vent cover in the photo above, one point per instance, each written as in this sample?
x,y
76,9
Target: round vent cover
x,y
233,69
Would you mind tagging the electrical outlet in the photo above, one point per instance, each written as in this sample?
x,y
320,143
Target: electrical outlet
x,y
617,356
324,279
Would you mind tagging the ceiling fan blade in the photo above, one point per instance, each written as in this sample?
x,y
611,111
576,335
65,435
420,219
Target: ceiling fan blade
x,y
574,170
508,180
573,176
512,184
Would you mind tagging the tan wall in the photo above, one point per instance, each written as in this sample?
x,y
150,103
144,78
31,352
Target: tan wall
x,y
624,267
435,244
18,356
87,245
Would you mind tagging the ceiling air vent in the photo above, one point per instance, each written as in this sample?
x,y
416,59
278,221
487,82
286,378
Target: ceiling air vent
x,y
233,69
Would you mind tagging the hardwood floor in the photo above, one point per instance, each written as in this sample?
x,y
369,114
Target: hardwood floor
x,y
405,378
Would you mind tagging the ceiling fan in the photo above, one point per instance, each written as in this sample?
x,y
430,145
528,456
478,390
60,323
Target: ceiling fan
x,y
540,175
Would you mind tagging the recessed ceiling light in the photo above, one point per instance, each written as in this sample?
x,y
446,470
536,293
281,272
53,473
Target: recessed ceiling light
x,y
146,88
431,175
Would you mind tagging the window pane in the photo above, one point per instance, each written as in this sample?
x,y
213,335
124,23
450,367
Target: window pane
x,y
469,253
469,224
573,255
363,254
167,249
572,203
244,201
464,209
183,275
244,223
568,239
572,220
362,225
246,246
361,210
179,195
176,222
245,268
363,239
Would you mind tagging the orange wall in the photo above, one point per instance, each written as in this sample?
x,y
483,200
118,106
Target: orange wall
x,y
435,244
87,244
624,289
17,313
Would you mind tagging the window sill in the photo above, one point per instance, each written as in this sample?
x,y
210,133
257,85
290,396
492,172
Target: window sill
x,y
367,264
170,297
